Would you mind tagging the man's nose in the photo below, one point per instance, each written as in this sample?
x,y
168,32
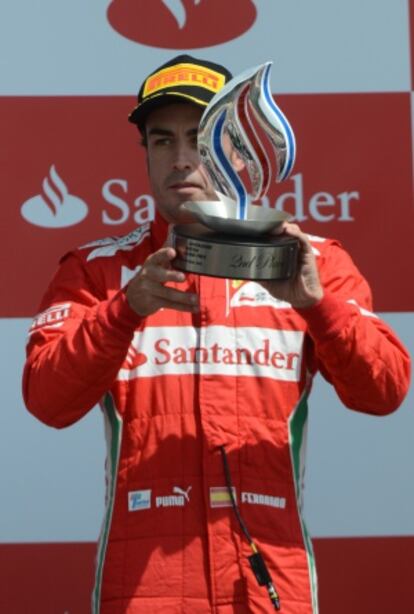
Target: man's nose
x,y
184,157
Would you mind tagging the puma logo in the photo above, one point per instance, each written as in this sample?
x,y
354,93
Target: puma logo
x,y
185,493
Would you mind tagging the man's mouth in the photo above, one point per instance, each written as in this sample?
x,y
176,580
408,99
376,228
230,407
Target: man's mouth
x,y
184,186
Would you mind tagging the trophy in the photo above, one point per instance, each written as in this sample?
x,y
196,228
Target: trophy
x,y
233,237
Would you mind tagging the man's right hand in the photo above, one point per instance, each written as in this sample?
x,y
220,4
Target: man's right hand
x,y
147,292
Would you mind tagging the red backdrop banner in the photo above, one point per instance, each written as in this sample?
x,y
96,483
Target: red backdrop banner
x,y
72,171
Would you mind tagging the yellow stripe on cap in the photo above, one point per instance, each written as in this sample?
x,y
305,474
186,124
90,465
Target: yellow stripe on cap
x,y
184,74
181,94
192,98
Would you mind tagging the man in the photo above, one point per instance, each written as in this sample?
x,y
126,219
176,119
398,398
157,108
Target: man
x,y
203,384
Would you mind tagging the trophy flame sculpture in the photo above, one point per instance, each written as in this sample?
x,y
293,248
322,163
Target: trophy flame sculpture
x,y
231,111
238,239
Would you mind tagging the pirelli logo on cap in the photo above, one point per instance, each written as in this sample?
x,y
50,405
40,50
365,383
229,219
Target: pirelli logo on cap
x,y
220,496
184,74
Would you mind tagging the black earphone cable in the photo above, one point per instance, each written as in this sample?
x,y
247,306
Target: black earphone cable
x,y
256,559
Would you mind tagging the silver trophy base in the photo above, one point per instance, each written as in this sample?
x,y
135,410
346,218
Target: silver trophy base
x,y
206,252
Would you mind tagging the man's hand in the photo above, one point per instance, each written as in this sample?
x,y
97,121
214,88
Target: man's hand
x,y
304,289
147,292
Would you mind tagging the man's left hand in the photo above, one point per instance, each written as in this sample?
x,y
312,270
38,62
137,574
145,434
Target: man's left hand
x,y
304,289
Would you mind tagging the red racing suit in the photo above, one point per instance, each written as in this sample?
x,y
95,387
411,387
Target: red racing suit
x,y
176,386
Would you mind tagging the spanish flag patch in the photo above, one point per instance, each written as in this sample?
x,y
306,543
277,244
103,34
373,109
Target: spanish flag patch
x,y
220,496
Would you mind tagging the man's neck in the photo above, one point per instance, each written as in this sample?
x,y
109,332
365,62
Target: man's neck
x,y
159,231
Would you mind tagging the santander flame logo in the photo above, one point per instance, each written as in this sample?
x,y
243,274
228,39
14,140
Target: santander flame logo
x,y
134,359
181,24
55,207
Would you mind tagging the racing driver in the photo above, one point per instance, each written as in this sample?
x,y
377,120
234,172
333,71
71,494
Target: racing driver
x,y
203,384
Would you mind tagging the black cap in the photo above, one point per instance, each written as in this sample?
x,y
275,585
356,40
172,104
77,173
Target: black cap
x,y
183,78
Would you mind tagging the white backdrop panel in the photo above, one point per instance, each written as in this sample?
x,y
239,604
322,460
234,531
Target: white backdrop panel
x,y
359,479
52,47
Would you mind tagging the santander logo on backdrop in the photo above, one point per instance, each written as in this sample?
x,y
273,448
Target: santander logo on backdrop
x,y
54,207
181,24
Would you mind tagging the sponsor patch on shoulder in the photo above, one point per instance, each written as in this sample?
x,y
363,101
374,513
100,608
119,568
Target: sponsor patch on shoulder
x,y
53,317
105,248
139,500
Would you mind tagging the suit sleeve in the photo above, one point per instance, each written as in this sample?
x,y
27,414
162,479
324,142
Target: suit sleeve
x,y
76,346
355,350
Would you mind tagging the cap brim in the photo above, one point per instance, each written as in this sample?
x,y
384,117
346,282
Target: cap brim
x,y
141,112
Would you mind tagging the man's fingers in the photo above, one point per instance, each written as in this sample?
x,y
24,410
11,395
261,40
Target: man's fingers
x,y
161,275
158,267
279,229
171,295
181,307
293,230
147,291
288,228
169,239
162,257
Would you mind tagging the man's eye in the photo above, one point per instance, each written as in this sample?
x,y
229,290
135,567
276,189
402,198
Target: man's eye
x,y
163,141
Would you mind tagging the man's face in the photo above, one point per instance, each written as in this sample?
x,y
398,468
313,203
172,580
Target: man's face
x,y
174,167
